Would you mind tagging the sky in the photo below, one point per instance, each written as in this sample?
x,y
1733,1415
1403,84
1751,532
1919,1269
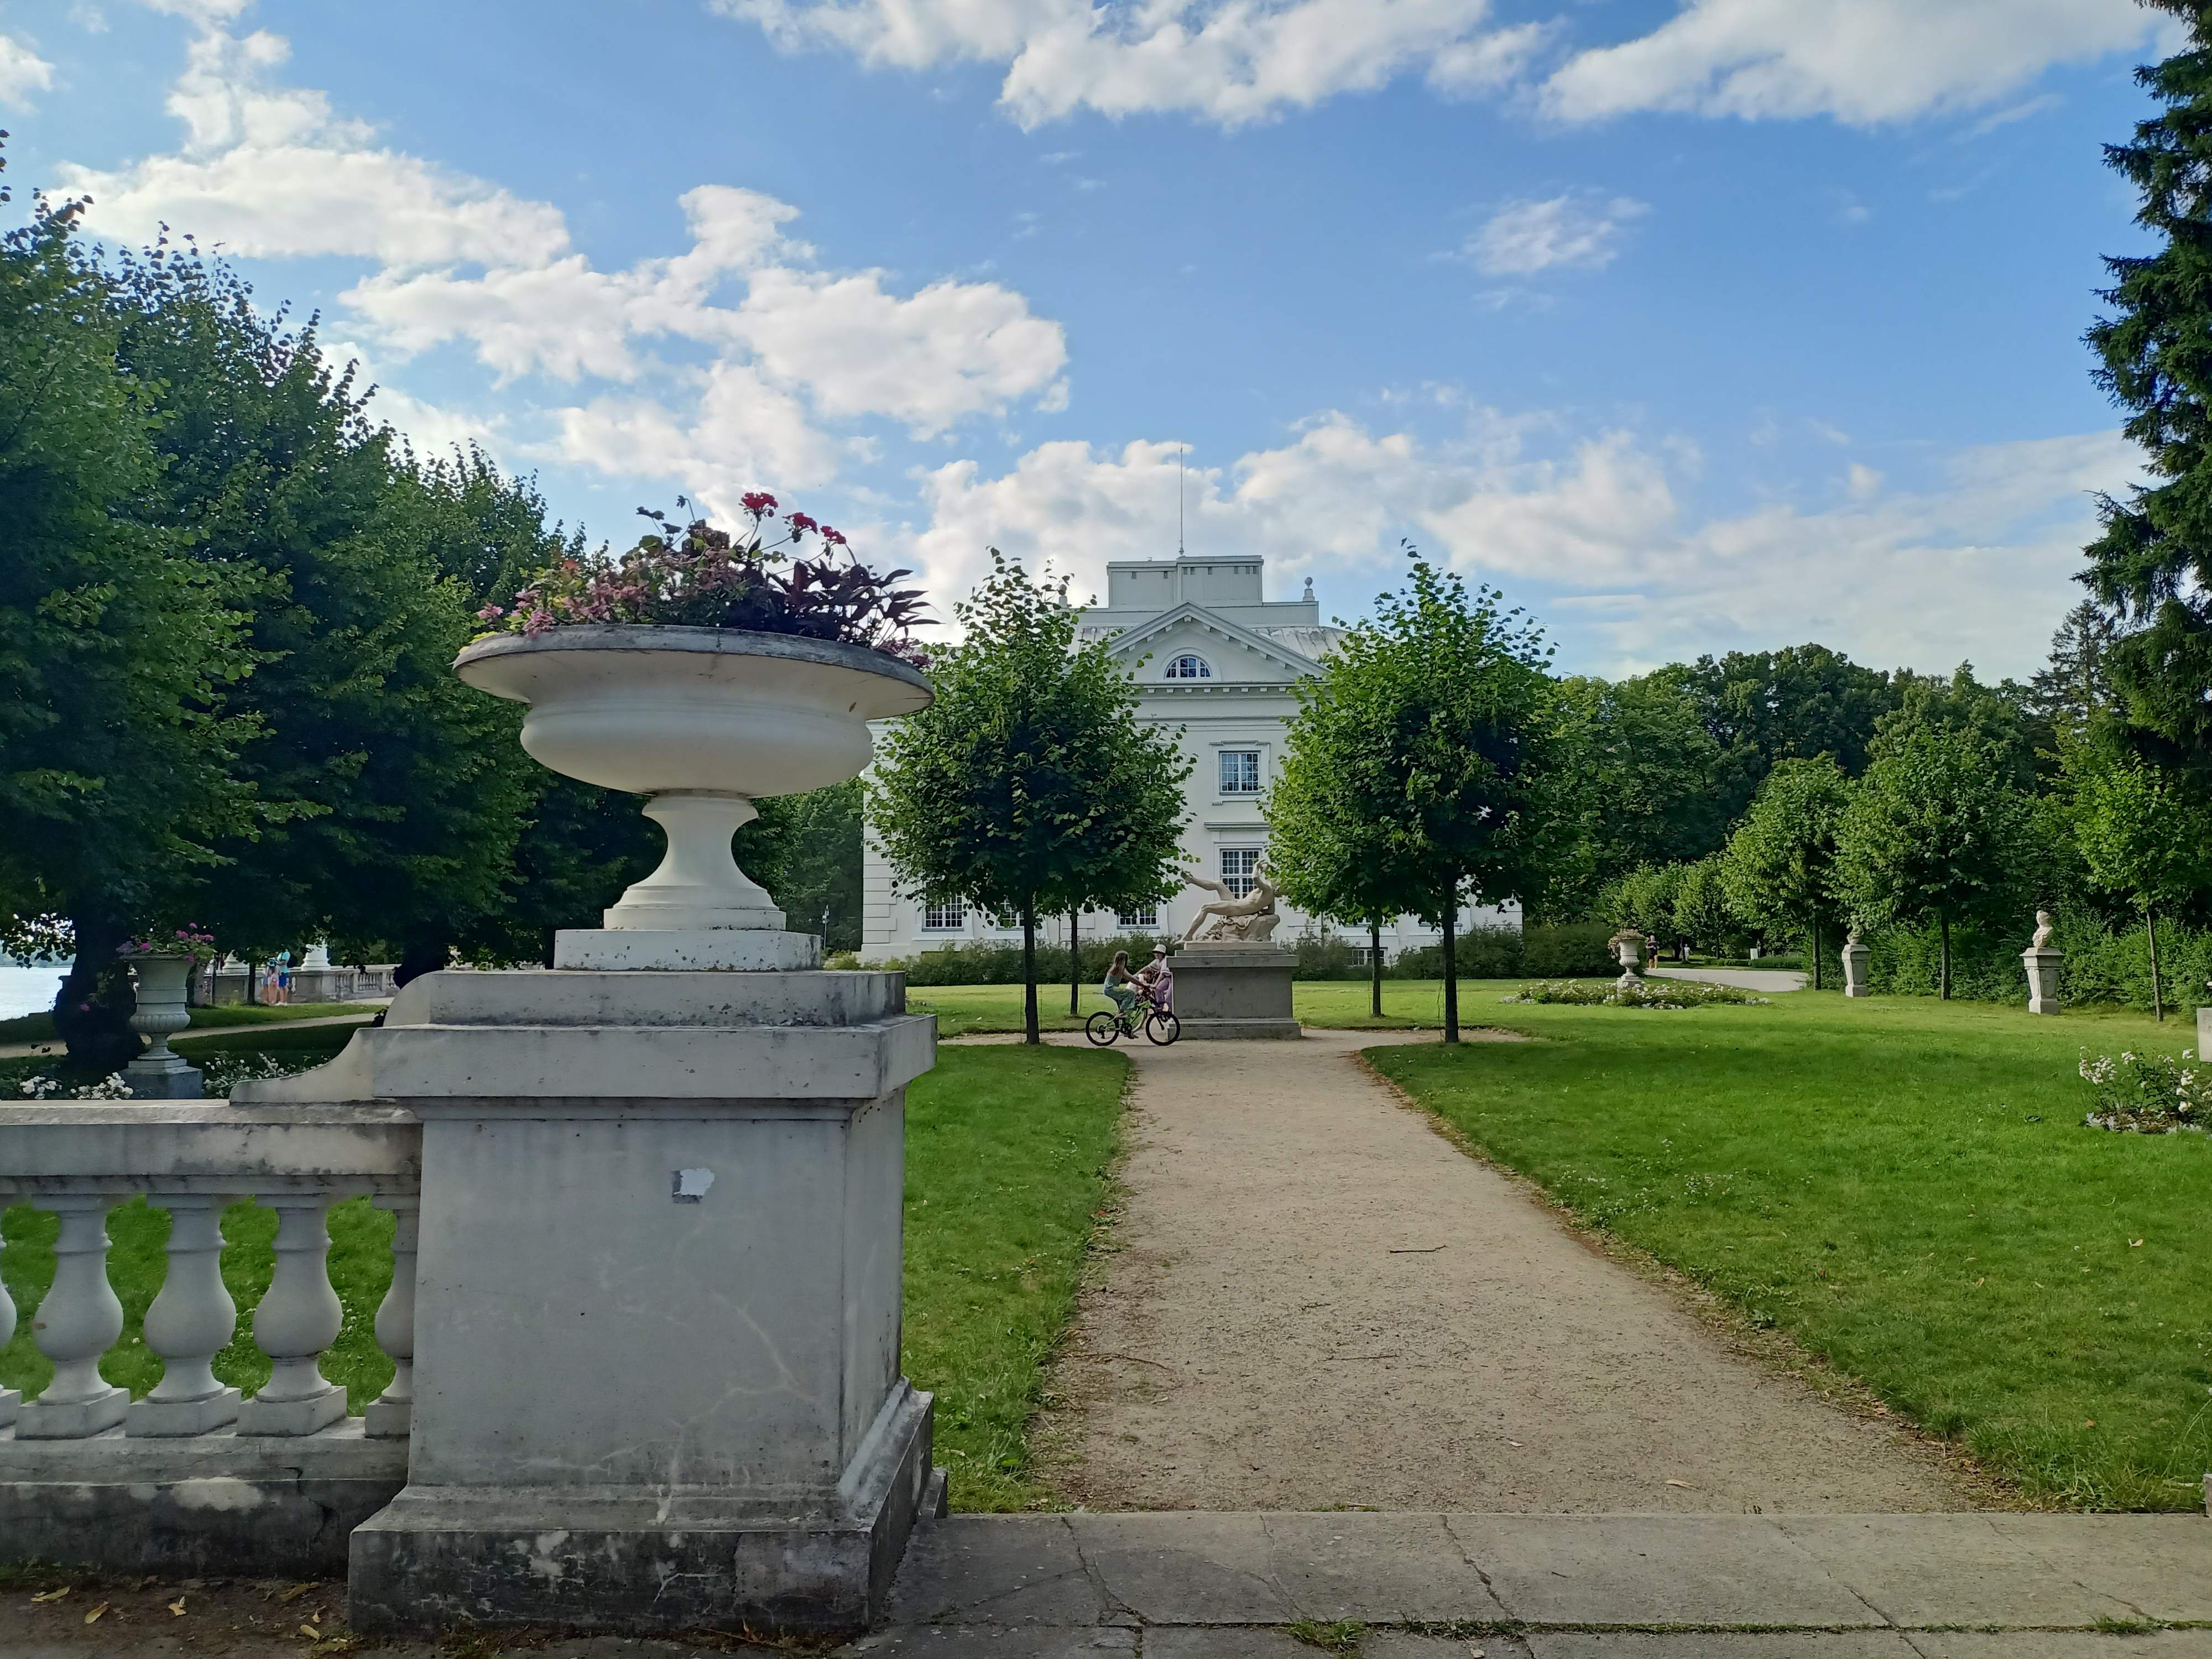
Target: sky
x,y
1694,325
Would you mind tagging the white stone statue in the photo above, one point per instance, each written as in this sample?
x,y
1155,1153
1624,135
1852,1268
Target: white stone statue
x,y
1852,937
2042,939
1249,920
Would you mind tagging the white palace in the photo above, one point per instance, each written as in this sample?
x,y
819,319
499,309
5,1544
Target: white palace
x,y
1216,657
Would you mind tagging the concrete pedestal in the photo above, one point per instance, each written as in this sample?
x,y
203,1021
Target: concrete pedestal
x,y
2203,1037
1855,981
1234,990
656,1376
2042,979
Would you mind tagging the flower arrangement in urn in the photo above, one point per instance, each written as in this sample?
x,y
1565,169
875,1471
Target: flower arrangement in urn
x,y
704,670
693,575
189,940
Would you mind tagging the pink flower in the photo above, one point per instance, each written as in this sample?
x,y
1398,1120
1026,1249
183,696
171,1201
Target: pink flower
x,y
490,613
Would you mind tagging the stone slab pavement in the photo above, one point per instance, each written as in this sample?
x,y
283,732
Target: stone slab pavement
x,y
1430,1586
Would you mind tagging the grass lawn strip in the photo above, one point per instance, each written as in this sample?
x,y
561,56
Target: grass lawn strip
x,y
40,1028
1902,1186
1007,1154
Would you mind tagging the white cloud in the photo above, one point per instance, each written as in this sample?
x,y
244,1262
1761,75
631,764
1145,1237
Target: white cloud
x,y
1889,576
22,72
1865,62
1230,61
772,348
1575,232
269,172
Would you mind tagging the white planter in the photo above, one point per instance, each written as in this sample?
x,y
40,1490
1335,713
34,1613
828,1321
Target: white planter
x,y
704,722
160,1072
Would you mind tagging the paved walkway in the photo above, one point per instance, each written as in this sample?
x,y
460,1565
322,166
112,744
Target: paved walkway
x,y
1765,981
1317,1302
1429,1586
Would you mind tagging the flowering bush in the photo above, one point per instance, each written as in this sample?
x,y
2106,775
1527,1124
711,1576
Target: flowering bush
x,y
225,1069
189,940
1635,994
693,575
2147,1094
108,1088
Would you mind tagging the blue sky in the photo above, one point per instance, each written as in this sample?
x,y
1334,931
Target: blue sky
x,y
1696,327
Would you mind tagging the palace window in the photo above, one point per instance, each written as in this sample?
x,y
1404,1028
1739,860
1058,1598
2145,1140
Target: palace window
x,y
1239,866
1146,916
1240,771
1189,667
938,917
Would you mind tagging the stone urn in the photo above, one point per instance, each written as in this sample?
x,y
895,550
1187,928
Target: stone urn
x,y
704,722
160,1072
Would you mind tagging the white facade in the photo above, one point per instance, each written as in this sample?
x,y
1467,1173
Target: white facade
x,y
1218,659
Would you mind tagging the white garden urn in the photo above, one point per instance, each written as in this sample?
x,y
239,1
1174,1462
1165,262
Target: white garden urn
x,y
704,721
160,1072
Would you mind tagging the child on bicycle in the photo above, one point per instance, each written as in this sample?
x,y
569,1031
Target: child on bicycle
x,y
1157,980
1120,987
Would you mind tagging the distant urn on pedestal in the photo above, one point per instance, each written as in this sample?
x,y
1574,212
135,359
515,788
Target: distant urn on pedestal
x,y
2042,960
1856,955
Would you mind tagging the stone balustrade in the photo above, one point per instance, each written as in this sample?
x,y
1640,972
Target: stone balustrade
x,y
193,1478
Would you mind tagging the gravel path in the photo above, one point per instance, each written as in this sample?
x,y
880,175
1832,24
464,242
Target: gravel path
x,y
1766,980
1318,1301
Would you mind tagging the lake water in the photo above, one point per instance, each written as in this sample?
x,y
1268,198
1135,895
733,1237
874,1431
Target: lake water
x,y
28,990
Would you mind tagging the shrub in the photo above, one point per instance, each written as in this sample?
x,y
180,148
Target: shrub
x,y
991,963
2147,1094
1636,993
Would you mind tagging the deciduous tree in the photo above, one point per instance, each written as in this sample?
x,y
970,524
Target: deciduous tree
x,y
1780,866
2141,841
1454,753
1030,787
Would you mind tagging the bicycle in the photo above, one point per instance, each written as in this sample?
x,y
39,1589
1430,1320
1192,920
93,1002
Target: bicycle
x,y
1157,1025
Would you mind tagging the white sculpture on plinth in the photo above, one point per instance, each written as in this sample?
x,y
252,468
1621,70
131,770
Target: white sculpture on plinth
x,y
2041,960
1855,955
1249,920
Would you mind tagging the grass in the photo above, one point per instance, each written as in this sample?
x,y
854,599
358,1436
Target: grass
x,y
1007,1151
1340,1005
1344,1636
1905,1189
40,1028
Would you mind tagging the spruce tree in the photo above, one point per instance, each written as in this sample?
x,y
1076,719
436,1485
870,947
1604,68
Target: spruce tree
x,y
2152,564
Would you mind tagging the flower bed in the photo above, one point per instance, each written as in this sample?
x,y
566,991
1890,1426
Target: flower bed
x,y
1635,994
694,576
2146,1094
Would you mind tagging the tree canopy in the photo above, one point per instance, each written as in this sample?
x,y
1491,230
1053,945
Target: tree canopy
x,y
1030,787
1780,870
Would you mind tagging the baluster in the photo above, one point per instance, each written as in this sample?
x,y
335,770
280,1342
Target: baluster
x,y
297,1321
78,1322
391,1414
189,1324
9,1398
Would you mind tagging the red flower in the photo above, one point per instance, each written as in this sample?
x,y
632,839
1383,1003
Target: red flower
x,y
800,524
834,538
758,502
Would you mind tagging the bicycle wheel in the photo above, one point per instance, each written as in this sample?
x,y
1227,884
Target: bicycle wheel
x,y
1162,1028
1102,1029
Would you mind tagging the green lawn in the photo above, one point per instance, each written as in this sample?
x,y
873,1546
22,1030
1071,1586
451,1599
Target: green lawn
x,y
1007,1158
1341,1004
1905,1189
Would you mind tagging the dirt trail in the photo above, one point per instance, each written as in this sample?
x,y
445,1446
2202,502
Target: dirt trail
x,y
1319,1302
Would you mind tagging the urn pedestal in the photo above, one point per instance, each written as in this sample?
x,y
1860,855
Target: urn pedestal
x,y
160,1072
1856,980
2042,978
657,1294
1234,990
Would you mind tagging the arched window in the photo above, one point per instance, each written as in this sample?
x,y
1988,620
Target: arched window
x,y
1189,667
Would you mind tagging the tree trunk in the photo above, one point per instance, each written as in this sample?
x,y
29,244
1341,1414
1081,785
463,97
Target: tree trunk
x,y
1451,968
422,956
93,1008
1816,953
1028,978
252,980
1074,964
1375,968
2157,994
1944,972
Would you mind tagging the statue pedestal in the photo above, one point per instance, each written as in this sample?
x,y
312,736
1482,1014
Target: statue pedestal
x,y
1855,981
1234,990
2042,978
